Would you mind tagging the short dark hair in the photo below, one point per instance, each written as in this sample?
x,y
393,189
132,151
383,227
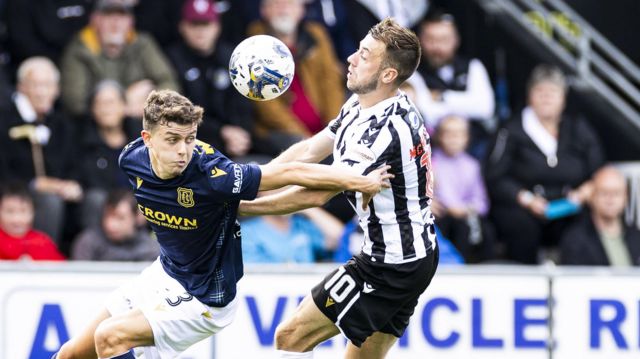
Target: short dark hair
x,y
166,106
117,196
402,48
15,189
438,15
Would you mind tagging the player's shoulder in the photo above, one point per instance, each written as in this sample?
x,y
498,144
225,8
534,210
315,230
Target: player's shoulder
x,y
206,156
405,112
131,151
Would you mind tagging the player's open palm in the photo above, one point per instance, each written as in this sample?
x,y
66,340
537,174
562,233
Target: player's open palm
x,y
378,180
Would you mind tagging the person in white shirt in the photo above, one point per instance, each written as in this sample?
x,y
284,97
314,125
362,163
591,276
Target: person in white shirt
x,y
456,85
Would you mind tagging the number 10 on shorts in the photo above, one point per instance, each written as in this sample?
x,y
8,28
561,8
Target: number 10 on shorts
x,y
340,285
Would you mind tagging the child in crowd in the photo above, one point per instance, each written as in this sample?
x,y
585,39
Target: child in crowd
x,y
460,203
18,239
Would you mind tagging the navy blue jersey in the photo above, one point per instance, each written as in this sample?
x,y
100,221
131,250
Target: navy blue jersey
x,y
194,217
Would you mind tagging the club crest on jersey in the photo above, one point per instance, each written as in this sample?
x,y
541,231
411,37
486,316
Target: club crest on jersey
x,y
185,197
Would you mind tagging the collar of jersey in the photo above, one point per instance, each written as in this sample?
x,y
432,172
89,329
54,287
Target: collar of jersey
x,y
380,106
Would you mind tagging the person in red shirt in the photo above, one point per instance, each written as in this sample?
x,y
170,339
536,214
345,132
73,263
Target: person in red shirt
x,y
18,239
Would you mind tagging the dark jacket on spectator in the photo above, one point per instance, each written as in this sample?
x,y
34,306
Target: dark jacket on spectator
x,y
581,244
59,153
44,27
515,162
205,81
98,166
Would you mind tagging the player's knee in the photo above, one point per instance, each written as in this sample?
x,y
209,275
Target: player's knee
x,y
285,337
109,338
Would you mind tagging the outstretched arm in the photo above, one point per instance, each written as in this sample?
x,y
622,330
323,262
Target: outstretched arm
x,y
291,200
315,176
311,150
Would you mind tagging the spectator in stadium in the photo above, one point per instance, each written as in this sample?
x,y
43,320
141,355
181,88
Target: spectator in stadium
x,y
600,237
104,136
159,19
316,92
305,237
460,204
44,27
37,143
117,237
457,85
110,48
18,239
367,13
541,156
202,64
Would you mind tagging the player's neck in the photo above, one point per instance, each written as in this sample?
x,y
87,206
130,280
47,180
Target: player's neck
x,y
376,96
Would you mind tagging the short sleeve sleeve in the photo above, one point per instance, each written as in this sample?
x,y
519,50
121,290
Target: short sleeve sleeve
x,y
234,181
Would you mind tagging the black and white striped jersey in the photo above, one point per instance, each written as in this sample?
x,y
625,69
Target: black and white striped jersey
x,y
398,224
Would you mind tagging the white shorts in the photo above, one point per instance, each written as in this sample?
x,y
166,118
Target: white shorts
x,y
178,320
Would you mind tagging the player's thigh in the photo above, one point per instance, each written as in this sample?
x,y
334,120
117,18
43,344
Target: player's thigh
x,y
375,347
132,328
305,329
83,345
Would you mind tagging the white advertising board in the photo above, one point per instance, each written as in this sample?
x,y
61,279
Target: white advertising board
x,y
596,317
40,311
470,316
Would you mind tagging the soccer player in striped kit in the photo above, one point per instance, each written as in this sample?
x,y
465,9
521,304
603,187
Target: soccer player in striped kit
x,y
370,298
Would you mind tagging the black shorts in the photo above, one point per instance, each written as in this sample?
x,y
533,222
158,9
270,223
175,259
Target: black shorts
x,y
362,297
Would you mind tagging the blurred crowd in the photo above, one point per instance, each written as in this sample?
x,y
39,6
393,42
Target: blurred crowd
x,y
75,73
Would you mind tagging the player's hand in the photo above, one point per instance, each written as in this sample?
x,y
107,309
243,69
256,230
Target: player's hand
x,y
379,180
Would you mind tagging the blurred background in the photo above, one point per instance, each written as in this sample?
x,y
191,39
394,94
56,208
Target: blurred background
x,y
533,107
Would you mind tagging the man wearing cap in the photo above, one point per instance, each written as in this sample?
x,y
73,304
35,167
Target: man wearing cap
x,y
110,48
201,61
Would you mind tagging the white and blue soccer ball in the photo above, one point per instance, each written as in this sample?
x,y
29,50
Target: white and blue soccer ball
x,y
261,68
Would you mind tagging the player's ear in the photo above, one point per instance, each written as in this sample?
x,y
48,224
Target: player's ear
x,y
146,137
389,75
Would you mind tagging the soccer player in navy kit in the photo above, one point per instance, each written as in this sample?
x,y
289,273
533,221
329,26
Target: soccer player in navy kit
x,y
370,298
189,193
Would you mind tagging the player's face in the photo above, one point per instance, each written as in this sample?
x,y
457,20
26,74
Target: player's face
x,y
170,148
365,66
16,215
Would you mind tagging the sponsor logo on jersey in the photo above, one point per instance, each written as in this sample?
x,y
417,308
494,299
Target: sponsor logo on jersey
x,y
237,181
185,197
168,220
216,172
359,153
